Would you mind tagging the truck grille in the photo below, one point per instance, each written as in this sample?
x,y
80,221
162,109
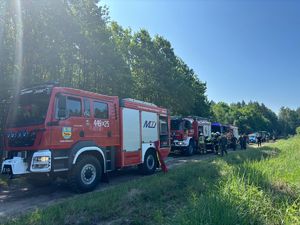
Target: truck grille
x,y
21,139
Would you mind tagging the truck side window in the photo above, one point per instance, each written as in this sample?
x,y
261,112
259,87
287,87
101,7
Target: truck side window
x,y
164,131
87,108
100,110
74,106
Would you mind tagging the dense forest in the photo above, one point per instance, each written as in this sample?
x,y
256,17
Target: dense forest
x,y
75,43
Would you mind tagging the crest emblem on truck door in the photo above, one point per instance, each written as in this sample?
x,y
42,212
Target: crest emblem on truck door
x,y
67,132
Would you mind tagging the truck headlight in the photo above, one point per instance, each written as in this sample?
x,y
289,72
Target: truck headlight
x,y
41,159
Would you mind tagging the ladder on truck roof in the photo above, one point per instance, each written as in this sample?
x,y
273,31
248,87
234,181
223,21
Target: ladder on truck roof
x,y
139,101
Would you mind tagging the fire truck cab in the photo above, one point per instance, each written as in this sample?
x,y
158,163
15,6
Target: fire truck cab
x,y
182,133
81,136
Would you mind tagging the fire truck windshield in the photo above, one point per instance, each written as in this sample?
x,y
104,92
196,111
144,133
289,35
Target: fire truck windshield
x,y
176,124
29,108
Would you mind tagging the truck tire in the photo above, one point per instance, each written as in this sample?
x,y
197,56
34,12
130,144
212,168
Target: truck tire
x,y
85,175
150,163
190,149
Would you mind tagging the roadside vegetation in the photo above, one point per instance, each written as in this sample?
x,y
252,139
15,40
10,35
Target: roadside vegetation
x,y
3,182
258,186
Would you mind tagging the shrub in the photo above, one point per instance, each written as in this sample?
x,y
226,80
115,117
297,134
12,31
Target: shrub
x,y
298,130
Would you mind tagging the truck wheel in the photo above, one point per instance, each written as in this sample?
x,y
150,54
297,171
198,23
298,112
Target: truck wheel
x,y
190,150
150,163
39,180
85,174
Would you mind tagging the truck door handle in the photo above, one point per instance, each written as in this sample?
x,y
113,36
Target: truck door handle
x,y
81,133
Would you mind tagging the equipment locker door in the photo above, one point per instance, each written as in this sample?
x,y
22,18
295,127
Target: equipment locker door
x,y
150,128
131,136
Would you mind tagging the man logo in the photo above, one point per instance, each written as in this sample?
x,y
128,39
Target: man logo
x,y
149,124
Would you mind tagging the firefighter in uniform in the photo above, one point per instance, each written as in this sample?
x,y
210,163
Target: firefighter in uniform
x,y
245,139
233,142
196,133
215,141
241,142
223,144
202,146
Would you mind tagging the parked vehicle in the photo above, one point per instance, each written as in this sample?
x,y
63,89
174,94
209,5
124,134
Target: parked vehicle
x,y
252,138
81,136
234,130
265,136
217,128
182,133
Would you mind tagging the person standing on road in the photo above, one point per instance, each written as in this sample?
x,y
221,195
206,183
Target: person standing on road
x,y
259,139
196,133
202,147
241,142
216,142
233,142
223,144
245,139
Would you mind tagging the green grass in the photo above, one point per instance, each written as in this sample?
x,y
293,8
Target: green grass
x,y
248,187
3,181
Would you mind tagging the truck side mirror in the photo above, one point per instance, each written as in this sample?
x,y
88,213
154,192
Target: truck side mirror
x,y
62,106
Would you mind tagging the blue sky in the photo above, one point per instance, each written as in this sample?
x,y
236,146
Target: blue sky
x,y
244,50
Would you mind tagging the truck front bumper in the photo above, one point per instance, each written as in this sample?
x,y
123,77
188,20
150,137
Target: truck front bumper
x,y
14,166
179,145
40,163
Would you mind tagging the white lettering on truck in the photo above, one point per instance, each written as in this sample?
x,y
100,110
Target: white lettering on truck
x,y
149,124
101,123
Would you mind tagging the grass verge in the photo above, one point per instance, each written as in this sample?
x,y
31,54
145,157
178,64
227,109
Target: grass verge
x,y
3,182
258,186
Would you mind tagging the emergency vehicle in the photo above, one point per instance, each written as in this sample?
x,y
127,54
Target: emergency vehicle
x,y
182,131
54,131
182,135
223,129
234,130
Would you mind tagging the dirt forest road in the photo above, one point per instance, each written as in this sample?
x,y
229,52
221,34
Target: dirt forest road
x,y
19,197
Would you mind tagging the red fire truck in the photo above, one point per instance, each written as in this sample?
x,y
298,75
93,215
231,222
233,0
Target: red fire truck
x,y
63,132
183,134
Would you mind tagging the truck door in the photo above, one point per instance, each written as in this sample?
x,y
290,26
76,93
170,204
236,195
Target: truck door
x,y
69,121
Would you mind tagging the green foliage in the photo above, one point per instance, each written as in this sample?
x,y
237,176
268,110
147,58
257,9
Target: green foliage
x,y
249,117
74,43
159,76
289,120
298,130
248,187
